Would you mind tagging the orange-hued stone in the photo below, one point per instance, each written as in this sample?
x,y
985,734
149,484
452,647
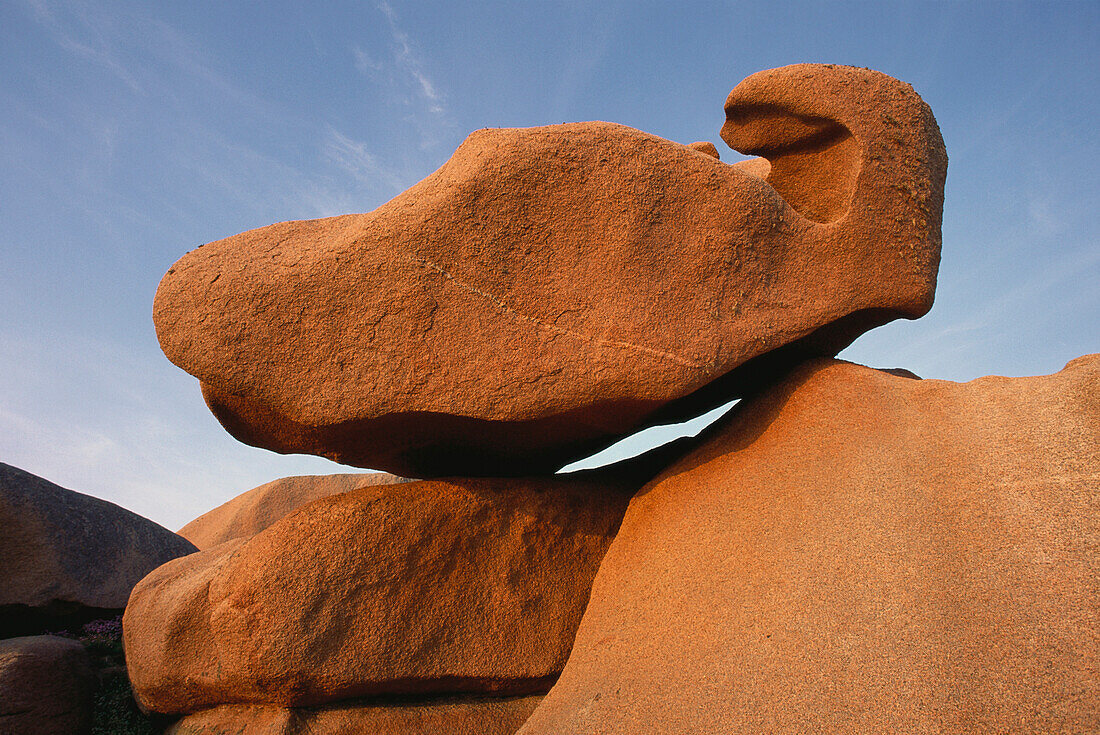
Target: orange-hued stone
x,y
857,552
457,716
550,289
251,512
422,588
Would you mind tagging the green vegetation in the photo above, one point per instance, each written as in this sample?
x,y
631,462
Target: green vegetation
x,y
114,710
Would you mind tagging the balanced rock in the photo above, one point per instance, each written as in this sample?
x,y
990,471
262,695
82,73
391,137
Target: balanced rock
x,y
67,557
857,552
483,716
251,512
551,289
424,588
46,686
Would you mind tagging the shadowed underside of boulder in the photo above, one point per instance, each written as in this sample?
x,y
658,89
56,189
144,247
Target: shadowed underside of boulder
x,y
551,289
854,551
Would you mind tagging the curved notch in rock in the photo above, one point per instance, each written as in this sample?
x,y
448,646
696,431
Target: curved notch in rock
x,y
813,161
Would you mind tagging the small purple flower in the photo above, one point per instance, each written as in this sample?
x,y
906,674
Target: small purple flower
x,y
104,628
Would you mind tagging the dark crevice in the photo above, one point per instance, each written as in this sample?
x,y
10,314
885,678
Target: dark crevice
x,y
55,617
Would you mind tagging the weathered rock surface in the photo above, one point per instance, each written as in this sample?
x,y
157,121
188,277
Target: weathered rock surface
x,y
704,146
434,587
455,717
69,558
251,512
512,311
46,686
857,552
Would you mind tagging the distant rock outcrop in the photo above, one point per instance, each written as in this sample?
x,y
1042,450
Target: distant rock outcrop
x,y
46,686
251,512
857,552
551,289
68,558
420,588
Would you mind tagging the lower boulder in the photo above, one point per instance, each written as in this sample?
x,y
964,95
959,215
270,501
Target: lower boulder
x,y
46,686
854,551
423,588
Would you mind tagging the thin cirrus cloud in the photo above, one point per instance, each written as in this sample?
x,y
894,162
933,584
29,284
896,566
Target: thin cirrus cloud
x,y
409,62
88,35
125,45
405,72
399,75
353,158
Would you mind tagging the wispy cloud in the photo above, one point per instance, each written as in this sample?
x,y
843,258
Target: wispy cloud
x,y
114,43
408,60
407,71
87,35
271,189
397,69
364,62
353,157
350,177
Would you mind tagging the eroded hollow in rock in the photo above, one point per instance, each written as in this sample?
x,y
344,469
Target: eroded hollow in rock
x,y
814,168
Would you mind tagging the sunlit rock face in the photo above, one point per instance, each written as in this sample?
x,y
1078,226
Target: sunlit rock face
x,y
856,552
432,588
454,716
551,289
251,512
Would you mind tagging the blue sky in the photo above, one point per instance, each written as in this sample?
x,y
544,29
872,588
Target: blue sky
x,y
131,132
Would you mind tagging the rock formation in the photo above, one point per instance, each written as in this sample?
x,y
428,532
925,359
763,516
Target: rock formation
x,y
551,289
46,686
249,513
852,550
857,552
67,557
464,586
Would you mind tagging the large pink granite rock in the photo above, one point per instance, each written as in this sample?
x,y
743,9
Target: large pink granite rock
x,y
453,716
426,588
856,552
551,289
